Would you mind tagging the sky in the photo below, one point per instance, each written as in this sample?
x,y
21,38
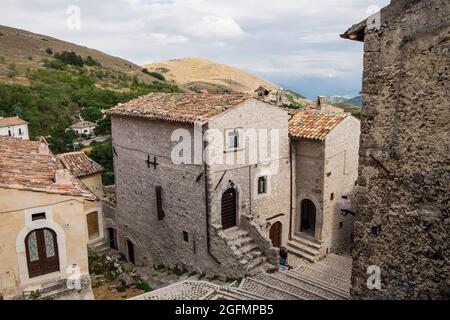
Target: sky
x,y
294,43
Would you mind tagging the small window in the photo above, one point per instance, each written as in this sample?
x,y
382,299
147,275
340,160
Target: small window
x,y
233,139
159,203
185,236
38,216
262,185
341,224
20,131
332,196
329,174
9,133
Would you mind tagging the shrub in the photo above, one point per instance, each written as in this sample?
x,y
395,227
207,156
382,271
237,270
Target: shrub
x,y
89,61
144,286
34,295
49,51
54,64
12,70
70,58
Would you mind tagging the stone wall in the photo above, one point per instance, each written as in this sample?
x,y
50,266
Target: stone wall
x,y
404,156
340,175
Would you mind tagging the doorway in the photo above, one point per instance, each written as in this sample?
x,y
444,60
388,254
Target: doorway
x,y
130,246
275,234
112,238
93,229
308,218
229,209
42,252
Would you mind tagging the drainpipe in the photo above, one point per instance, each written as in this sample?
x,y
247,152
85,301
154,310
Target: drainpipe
x,y
208,220
291,191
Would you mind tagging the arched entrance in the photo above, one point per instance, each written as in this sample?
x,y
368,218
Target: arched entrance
x,y
275,234
229,209
308,217
42,252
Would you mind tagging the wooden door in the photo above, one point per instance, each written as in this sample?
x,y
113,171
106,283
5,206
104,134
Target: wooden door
x,y
93,229
130,251
229,209
42,252
275,234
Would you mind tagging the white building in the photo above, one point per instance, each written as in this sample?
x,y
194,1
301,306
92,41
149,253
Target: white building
x,y
84,127
14,127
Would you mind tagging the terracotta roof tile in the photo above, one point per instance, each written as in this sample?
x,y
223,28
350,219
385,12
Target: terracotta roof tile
x,y
315,125
23,167
80,164
12,121
178,107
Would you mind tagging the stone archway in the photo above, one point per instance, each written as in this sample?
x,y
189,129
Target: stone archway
x,y
308,217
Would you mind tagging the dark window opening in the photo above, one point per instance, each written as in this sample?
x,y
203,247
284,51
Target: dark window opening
x,y
20,131
332,196
159,204
9,133
329,174
38,216
262,185
185,236
341,224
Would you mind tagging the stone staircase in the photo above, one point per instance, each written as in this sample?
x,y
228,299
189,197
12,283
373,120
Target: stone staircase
x,y
99,247
308,249
328,279
247,251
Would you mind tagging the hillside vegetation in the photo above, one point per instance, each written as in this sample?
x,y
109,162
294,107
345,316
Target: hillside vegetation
x,y
52,89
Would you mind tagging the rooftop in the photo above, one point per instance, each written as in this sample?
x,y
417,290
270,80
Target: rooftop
x,y
80,164
11,121
313,124
25,167
178,107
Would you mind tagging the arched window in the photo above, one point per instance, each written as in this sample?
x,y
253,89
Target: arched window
x,y
42,252
229,209
308,217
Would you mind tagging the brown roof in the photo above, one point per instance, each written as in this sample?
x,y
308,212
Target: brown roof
x,y
178,107
80,164
12,121
23,167
315,125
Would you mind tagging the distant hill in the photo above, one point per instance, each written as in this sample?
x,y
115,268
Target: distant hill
x,y
198,74
52,84
355,101
23,49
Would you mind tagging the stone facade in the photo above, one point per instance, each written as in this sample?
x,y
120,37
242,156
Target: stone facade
x,y
404,157
190,233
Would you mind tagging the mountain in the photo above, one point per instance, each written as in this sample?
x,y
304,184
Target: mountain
x,y
197,74
52,84
354,101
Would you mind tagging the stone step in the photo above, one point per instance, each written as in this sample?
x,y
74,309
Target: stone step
x,y
241,242
270,292
234,233
253,255
310,286
302,254
255,263
343,273
246,249
308,242
326,280
302,247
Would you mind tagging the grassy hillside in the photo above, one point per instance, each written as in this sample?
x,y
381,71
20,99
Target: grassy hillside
x,y
198,74
52,87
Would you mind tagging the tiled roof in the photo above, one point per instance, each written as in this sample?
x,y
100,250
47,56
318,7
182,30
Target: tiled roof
x,y
178,107
80,164
23,167
315,125
12,121
83,124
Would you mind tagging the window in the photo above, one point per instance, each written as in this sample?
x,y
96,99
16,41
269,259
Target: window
x,y
38,216
20,131
9,133
159,203
185,236
233,139
332,196
262,185
341,224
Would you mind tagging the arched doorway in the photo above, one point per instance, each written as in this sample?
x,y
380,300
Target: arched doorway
x,y
229,209
42,252
275,234
308,217
130,246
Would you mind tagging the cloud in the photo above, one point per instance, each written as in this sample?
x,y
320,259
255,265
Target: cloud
x,y
282,40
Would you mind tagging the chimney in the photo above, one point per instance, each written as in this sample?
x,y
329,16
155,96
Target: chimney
x,y
321,102
43,146
63,177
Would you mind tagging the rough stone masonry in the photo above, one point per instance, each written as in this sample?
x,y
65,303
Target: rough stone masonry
x,y
404,168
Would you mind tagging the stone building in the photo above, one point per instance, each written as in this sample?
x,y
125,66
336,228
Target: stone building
x,y
43,230
89,173
402,204
14,127
84,127
220,216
